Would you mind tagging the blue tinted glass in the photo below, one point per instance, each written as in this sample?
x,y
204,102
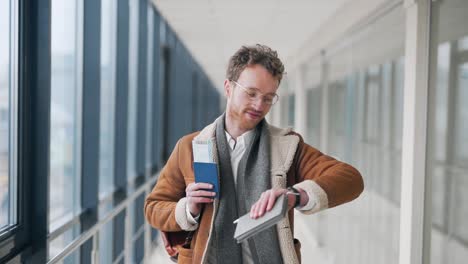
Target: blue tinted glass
x,y
150,88
105,247
58,244
107,105
65,101
132,90
4,111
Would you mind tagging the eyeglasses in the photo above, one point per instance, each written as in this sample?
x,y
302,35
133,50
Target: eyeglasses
x,y
253,94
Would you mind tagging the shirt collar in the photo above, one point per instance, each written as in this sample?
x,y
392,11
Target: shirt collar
x,y
242,140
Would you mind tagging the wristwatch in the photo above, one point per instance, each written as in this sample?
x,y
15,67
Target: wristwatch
x,y
297,194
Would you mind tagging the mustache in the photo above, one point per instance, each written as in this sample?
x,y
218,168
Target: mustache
x,y
253,111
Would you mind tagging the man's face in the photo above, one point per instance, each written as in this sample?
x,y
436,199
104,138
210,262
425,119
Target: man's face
x,y
244,110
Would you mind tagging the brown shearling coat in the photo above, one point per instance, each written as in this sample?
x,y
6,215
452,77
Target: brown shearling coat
x,y
339,181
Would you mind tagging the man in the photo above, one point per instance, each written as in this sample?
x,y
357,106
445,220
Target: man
x,y
256,162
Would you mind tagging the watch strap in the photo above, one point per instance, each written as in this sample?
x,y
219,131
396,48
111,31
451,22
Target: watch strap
x,y
296,194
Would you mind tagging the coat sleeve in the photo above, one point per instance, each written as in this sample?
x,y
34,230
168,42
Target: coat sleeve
x,y
331,182
165,206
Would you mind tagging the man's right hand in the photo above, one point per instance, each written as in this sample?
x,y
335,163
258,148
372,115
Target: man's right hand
x,y
197,195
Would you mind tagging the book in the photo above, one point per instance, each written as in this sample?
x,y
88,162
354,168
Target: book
x,y
248,227
207,172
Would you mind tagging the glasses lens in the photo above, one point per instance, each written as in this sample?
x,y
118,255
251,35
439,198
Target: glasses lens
x,y
274,99
254,94
268,99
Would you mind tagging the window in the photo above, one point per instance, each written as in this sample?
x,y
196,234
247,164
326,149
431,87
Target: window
x,y
312,75
138,229
150,88
396,127
65,119
364,117
284,101
291,109
461,115
132,90
105,248
447,148
373,91
106,235
108,93
314,98
8,89
337,104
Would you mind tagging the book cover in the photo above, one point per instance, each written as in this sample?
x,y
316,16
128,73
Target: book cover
x,y
207,172
248,227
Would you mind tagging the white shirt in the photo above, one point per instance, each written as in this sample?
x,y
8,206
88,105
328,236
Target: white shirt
x,y
237,149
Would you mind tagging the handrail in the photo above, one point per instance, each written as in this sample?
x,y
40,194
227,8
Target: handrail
x,y
80,240
65,226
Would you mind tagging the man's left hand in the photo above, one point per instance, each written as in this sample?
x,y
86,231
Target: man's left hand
x,y
267,201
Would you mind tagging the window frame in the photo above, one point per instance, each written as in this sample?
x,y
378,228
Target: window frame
x,y
12,115
33,114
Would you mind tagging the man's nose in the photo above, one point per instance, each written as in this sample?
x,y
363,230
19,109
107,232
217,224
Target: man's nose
x,y
258,103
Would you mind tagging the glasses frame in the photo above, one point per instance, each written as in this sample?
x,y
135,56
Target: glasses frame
x,y
262,95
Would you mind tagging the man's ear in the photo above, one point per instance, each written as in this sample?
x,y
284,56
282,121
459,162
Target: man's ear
x,y
227,88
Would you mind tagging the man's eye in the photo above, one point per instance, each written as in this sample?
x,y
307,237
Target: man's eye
x,y
251,93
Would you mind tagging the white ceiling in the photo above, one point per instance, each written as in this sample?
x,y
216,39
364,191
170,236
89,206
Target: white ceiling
x,y
213,30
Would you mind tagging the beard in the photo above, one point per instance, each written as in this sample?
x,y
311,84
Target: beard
x,y
246,118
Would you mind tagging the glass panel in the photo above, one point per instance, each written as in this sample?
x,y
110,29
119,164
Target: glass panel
x,y
337,117
107,106
138,218
283,103
5,67
314,98
118,235
106,248
291,110
73,258
311,80
106,233
57,245
121,261
447,148
463,43
132,90
154,234
398,71
372,104
149,94
157,75
365,87
461,132
64,194
139,249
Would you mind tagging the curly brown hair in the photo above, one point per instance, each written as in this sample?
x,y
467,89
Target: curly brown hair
x,y
251,55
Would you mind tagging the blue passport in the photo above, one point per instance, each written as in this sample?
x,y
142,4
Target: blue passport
x,y
208,173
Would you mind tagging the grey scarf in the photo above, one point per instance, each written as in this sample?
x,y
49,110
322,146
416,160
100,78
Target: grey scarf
x,y
253,178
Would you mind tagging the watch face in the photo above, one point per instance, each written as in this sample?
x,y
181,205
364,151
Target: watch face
x,y
296,194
